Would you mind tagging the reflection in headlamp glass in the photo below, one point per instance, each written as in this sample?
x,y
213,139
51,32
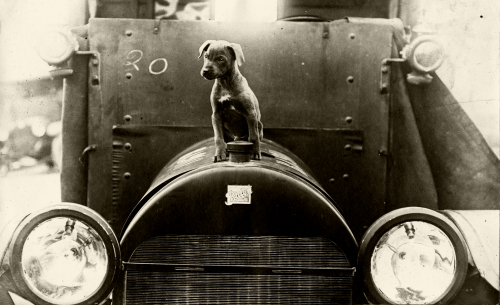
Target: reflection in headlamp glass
x,y
427,54
413,263
64,261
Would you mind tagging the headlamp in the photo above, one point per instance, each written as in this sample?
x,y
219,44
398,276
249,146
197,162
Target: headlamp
x,y
56,47
412,256
66,254
424,54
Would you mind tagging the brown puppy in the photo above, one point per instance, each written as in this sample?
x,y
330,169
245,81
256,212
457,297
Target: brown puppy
x,y
235,109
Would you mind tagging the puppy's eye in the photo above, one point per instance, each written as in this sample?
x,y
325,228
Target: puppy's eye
x,y
220,59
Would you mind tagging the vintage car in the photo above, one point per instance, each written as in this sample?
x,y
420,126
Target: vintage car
x,y
365,193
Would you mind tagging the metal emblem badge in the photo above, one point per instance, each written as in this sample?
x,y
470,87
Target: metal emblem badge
x,y
239,194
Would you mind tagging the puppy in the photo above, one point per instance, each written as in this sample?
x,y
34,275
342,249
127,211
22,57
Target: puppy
x,y
235,109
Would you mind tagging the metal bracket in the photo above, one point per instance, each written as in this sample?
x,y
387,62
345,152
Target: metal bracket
x,y
96,62
384,73
156,28
86,151
326,30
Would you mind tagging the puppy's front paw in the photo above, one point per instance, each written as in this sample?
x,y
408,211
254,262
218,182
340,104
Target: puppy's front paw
x,y
220,151
256,155
220,158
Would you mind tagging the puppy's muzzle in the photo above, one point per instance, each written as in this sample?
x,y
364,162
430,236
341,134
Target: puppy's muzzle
x,y
208,73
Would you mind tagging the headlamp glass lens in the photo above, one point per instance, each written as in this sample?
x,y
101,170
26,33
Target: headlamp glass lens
x,y
64,260
427,54
413,263
55,45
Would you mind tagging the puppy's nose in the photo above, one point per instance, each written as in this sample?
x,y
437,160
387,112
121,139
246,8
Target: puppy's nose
x,y
205,72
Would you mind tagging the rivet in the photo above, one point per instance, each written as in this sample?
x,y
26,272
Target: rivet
x,y
383,152
345,176
128,146
331,181
348,147
348,119
128,118
127,175
350,79
110,221
128,75
128,33
383,88
385,69
95,62
352,36
95,80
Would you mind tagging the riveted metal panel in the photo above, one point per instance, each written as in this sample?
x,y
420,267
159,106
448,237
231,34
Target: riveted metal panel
x,y
308,77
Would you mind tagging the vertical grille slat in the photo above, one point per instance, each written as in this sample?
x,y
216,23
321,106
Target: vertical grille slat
x,y
153,287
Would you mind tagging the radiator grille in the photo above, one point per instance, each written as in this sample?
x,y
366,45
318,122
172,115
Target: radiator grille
x,y
187,287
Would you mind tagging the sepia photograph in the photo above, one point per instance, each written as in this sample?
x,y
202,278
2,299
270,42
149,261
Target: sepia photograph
x,y
249,152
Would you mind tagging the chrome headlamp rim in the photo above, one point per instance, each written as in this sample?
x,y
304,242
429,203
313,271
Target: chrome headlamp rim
x,y
391,220
412,48
79,213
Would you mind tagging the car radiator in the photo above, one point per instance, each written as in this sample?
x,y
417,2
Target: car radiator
x,y
199,269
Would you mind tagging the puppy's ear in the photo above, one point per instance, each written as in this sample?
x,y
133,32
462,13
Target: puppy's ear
x,y
238,53
205,46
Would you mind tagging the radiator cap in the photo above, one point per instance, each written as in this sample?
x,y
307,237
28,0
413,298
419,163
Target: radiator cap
x,y
240,151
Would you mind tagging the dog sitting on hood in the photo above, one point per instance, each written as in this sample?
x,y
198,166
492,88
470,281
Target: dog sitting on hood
x,y
235,109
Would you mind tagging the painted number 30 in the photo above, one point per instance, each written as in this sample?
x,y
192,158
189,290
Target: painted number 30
x,y
157,66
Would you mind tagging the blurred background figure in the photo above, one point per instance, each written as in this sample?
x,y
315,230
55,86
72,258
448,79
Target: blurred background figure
x,y
30,103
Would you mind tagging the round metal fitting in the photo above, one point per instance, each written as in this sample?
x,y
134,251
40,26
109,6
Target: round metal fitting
x,y
240,151
128,146
383,89
127,175
56,47
95,80
350,79
127,118
348,120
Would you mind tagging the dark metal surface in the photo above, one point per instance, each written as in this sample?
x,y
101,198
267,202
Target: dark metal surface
x,y
75,132
200,155
189,197
238,269
313,90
